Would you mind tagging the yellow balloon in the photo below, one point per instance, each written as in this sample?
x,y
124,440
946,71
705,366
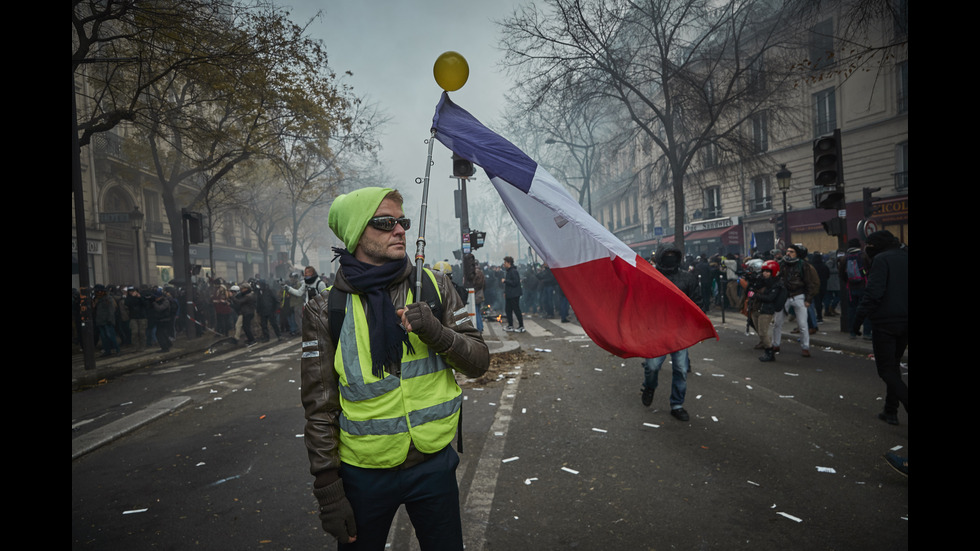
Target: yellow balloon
x,y
451,71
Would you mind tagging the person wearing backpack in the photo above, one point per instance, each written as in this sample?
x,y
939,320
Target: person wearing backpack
x,y
802,284
853,270
380,396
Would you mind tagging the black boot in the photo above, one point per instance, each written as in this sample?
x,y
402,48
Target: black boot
x,y
768,356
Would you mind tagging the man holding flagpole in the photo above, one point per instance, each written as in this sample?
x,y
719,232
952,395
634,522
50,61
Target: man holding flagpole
x,y
381,400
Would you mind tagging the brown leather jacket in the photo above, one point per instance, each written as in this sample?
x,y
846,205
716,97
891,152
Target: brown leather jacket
x,y
467,354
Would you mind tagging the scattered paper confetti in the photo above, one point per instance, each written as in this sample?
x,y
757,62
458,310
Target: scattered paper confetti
x,y
788,374
752,483
542,350
509,459
896,448
528,481
786,396
748,387
523,410
599,430
789,516
597,368
826,470
135,511
261,417
567,470
713,418
201,464
651,425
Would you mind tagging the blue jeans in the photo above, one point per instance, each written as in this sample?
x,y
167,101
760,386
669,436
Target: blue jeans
x,y
678,385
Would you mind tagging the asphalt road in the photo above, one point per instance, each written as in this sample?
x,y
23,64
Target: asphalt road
x,y
559,453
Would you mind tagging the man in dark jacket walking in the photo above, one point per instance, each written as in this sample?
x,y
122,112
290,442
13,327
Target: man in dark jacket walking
x,y
885,302
512,295
668,261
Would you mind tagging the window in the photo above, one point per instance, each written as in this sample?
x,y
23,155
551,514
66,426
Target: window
x,y
708,155
664,215
824,112
821,45
902,166
761,194
903,86
901,15
756,76
712,202
760,132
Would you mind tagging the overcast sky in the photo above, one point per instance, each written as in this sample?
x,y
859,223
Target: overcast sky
x,y
390,46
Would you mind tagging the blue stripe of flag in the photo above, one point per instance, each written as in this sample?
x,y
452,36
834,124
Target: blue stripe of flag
x,y
467,137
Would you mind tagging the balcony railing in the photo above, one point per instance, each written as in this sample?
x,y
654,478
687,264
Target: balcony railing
x,y
902,181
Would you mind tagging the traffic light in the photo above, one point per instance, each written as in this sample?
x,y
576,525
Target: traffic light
x,y
834,226
828,173
462,168
780,224
869,200
195,227
828,197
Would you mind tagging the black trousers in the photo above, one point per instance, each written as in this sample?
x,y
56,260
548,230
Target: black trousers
x,y
513,306
890,341
429,492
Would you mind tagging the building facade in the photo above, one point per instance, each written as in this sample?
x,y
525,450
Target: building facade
x,y
736,205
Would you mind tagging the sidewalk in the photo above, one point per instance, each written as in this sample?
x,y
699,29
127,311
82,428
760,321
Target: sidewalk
x,y
133,358
828,334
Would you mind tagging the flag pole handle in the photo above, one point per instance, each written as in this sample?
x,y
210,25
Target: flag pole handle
x,y
420,243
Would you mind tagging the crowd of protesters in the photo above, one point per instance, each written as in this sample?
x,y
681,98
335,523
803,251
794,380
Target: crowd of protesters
x,y
243,312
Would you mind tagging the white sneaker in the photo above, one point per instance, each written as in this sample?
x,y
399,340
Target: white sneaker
x,y
520,330
509,328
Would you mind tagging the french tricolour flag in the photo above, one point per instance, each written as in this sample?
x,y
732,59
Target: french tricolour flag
x,y
625,305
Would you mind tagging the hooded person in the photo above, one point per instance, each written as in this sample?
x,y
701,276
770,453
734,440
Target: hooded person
x,y
886,302
668,262
381,401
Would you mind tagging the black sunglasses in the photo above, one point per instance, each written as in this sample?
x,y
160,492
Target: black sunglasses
x,y
387,223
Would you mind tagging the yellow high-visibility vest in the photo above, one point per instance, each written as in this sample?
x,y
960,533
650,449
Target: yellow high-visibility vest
x,y
380,416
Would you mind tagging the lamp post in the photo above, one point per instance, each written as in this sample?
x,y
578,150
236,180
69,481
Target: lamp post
x,y
783,178
585,165
136,220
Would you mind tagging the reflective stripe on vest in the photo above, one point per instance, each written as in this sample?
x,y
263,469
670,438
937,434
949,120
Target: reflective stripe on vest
x,y
381,416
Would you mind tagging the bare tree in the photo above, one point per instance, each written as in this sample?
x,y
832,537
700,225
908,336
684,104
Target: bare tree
x,y
687,74
259,79
317,167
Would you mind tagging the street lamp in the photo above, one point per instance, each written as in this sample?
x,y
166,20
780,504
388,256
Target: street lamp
x,y
783,178
136,220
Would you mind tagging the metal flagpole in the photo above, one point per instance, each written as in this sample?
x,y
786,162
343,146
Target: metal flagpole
x,y
420,243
